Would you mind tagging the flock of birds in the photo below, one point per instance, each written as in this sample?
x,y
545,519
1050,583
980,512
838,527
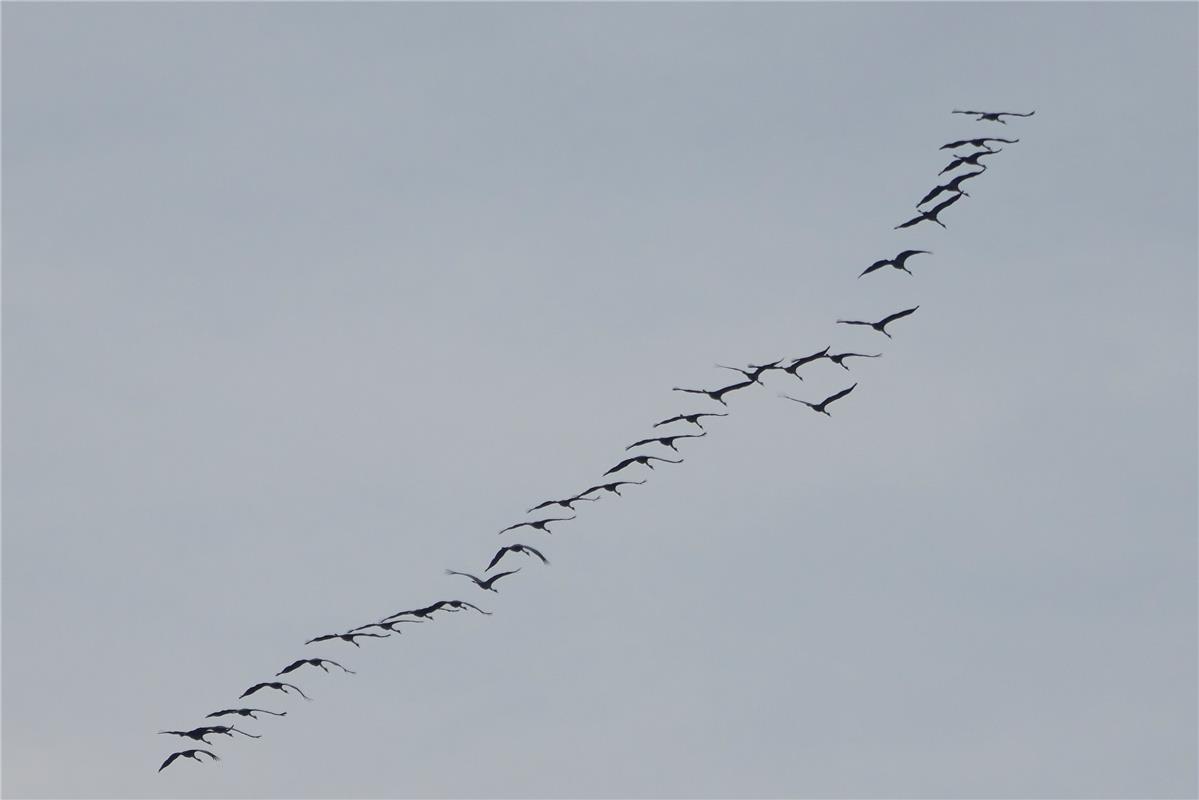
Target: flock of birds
x,y
752,375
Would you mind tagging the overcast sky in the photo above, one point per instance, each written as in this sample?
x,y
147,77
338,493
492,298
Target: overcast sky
x,y
303,303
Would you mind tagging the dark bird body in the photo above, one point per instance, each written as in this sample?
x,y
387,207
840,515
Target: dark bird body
x,y
488,584
931,214
387,626
899,262
983,142
246,712
614,487
282,687
516,548
823,404
839,358
312,662
794,366
754,372
199,733
539,524
954,185
427,612
692,418
969,158
643,460
667,440
718,394
568,503
348,636
187,754
994,116
881,325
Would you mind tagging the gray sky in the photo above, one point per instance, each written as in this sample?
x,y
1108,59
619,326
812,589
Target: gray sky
x,y
302,303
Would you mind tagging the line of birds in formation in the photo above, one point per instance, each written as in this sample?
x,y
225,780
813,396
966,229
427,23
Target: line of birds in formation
x,y
752,374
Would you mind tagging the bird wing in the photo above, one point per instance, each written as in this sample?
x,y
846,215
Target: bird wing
x,y
170,758
243,733
932,193
910,222
838,395
732,388
475,607
939,207
797,400
877,264
499,575
806,359
463,574
535,552
252,689
668,421
292,666
498,555
514,527
221,713
897,315
541,505
301,691
620,466
957,111
643,441
959,143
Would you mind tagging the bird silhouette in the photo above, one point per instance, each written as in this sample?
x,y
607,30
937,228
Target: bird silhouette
x,y
313,662
976,142
614,487
839,358
489,583
568,503
427,612
794,366
718,394
899,262
348,636
881,325
187,754
668,440
229,730
971,159
954,185
245,712
209,730
387,626
516,548
931,214
282,687
195,733
754,371
643,460
823,403
994,116
539,524
692,418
